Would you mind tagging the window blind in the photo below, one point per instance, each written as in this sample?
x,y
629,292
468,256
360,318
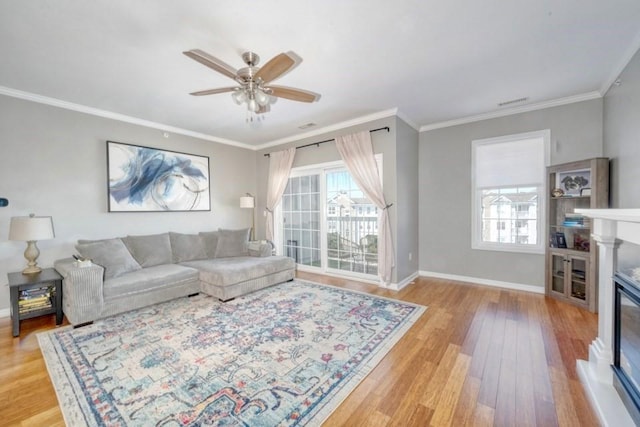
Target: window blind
x,y
517,163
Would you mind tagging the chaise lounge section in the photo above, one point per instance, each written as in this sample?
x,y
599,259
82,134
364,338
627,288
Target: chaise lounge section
x,y
137,271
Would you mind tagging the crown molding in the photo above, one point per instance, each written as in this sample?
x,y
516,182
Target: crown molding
x,y
326,129
407,120
330,128
116,116
515,110
624,61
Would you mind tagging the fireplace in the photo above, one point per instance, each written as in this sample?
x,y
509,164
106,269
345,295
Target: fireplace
x,y
626,342
626,335
613,393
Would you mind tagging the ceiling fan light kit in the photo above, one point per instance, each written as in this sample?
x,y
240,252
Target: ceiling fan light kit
x,y
254,88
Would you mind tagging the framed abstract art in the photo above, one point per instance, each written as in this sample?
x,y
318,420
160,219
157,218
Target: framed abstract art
x,y
144,179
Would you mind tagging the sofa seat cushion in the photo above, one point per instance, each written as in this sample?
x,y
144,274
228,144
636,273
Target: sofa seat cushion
x,y
232,270
147,279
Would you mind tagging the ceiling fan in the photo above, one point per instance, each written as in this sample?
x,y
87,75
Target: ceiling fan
x,y
254,86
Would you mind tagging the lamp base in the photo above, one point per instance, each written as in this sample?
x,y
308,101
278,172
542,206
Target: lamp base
x,y
31,254
32,270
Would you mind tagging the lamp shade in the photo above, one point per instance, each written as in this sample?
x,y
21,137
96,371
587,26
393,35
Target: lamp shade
x,y
247,202
28,228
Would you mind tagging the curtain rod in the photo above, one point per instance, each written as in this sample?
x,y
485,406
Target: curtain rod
x,y
317,144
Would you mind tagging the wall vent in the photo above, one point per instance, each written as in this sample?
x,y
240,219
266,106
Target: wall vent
x,y
513,101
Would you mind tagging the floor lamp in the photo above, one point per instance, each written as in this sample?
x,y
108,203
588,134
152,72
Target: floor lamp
x,y
248,202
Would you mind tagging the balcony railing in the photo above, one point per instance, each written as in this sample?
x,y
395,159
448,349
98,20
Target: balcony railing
x,y
352,245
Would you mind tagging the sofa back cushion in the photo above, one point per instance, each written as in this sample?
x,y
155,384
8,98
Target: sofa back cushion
x,y
210,241
150,250
186,247
111,254
233,243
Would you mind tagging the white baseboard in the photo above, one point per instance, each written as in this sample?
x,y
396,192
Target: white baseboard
x,y
402,284
5,312
360,277
486,282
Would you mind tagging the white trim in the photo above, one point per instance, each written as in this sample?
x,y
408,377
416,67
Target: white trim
x,y
619,68
515,110
403,283
344,277
116,116
407,120
5,312
603,398
15,93
487,282
338,126
625,215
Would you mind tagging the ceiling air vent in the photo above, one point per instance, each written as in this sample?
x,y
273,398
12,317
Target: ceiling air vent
x,y
307,126
513,101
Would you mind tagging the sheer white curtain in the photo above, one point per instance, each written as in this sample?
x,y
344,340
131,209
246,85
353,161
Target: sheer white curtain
x,y
279,168
357,152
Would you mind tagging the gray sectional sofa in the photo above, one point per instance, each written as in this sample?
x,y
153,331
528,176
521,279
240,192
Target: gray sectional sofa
x,y
136,271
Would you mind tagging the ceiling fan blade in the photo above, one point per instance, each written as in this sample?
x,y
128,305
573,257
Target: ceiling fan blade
x,y
212,62
278,66
214,91
294,94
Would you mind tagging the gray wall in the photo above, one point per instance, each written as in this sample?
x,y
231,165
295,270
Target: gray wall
x,y
53,162
406,206
445,188
622,136
383,142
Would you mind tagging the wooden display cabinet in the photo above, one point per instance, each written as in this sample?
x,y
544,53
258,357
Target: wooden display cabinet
x,y
571,255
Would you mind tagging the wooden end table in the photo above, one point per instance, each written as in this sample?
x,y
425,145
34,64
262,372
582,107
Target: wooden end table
x,y
18,283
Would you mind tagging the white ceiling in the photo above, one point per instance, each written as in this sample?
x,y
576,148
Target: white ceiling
x,y
432,60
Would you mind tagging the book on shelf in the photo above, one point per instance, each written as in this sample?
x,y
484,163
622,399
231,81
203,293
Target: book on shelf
x,y
576,220
35,299
32,301
36,293
35,308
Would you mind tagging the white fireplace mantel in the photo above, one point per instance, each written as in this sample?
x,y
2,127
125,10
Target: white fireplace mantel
x,y
610,227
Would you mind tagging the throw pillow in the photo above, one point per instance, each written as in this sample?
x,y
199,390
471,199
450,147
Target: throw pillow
x,y
233,243
83,241
111,254
150,250
186,247
210,241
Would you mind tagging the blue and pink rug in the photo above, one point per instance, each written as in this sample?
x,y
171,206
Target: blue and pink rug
x,y
286,355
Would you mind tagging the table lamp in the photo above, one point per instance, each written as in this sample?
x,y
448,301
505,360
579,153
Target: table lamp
x,y
31,229
248,202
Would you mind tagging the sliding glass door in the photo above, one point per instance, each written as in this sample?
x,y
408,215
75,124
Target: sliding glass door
x,y
352,225
327,224
301,220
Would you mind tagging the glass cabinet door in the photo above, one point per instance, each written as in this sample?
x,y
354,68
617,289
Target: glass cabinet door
x,y
578,281
557,272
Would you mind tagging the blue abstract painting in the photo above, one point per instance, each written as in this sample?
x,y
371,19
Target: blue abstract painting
x,y
143,179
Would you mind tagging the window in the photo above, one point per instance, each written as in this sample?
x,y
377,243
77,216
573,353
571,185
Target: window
x,y
508,191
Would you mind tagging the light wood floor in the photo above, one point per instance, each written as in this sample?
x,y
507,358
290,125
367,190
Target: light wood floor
x,y
478,356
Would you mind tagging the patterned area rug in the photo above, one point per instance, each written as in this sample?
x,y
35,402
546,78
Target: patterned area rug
x,y
286,355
